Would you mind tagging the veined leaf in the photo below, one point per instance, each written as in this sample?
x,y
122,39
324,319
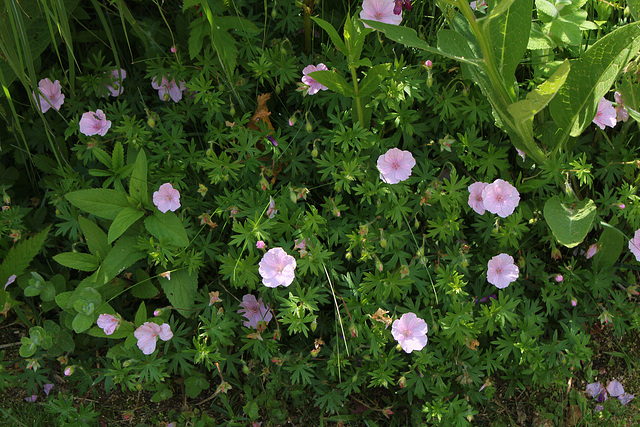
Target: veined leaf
x,y
181,290
569,223
125,219
334,82
333,34
101,202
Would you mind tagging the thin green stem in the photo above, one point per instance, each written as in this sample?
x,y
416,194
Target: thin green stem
x,y
354,77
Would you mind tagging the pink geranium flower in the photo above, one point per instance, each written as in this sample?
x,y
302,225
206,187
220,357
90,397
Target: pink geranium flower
x,y
475,197
381,11
254,310
277,268
606,115
411,332
500,198
395,165
108,323
94,123
168,89
622,115
50,95
634,245
314,86
147,335
166,198
115,86
501,271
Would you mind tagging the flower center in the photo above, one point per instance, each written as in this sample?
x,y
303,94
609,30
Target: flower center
x,y
167,198
406,333
499,271
395,165
379,15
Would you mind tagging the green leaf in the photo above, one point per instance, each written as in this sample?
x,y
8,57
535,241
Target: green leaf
x,y
507,29
167,227
125,218
181,290
590,78
82,322
333,34
101,202
124,330
144,288
122,255
94,236
195,385
77,261
634,8
334,82
138,189
20,255
569,223
141,315
610,247
372,80
28,347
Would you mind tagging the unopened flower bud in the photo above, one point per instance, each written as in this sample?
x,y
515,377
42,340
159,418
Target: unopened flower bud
x,y
379,265
428,64
69,370
308,126
315,351
260,244
429,81
314,324
348,256
574,302
151,122
245,368
559,278
402,382
353,331
622,206
314,152
274,13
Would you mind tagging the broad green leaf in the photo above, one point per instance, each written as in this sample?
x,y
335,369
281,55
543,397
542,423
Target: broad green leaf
x,y
630,91
101,202
28,347
635,115
125,218
20,255
333,34
124,330
569,223
141,315
94,236
167,227
372,80
122,255
610,247
77,261
507,29
144,288
354,37
195,385
334,81
138,185
82,322
634,8
181,290
590,78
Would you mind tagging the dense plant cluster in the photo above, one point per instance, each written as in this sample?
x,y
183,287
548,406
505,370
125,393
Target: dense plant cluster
x,y
270,206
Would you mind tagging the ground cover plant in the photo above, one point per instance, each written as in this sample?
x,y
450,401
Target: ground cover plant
x,y
372,212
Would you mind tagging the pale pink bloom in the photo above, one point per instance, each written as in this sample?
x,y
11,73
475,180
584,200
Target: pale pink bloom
x,y
615,389
173,49
381,11
166,275
574,302
395,165
115,86
157,312
521,154
559,278
10,280
500,198
501,271
271,210
168,89
47,388
50,95
314,86
594,389
593,249
166,198
634,245
622,206
277,268
606,115
475,197
260,244
410,331
625,398
148,333
108,323
94,123
31,398
254,310
622,115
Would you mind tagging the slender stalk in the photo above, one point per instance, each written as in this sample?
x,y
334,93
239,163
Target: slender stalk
x,y
354,77
306,8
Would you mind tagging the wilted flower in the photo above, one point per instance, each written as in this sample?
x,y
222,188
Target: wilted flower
x,y
314,86
254,310
521,154
94,123
108,323
50,95
147,335
397,10
31,398
10,280
260,244
478,5
574,302
501,271
615,389
634,245
410,331
214,297
271,210
395,165
47,388
593,249
606,115
168,89
166,275
475,197
381,11
277,268
622,115
500,198
115,86
166,198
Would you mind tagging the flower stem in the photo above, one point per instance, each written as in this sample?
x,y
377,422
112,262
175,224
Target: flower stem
x,y
354,77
